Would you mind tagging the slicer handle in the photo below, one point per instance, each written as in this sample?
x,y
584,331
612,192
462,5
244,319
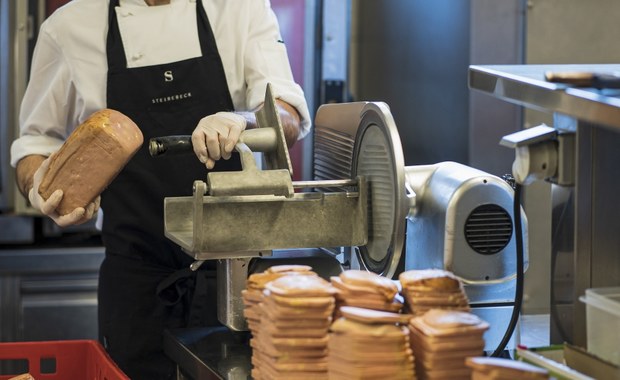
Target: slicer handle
x,y
258,140
180,144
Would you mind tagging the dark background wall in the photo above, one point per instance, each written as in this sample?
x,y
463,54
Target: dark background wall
x,y
413,55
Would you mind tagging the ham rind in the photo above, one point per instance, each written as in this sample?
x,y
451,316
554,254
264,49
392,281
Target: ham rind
x,y
91,158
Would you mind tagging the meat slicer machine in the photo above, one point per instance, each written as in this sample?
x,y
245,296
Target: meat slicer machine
x,y
359,209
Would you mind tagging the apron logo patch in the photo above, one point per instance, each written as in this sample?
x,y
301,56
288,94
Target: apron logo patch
x,y
168,76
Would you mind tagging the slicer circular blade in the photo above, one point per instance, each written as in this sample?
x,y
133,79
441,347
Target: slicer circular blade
x,y
378,156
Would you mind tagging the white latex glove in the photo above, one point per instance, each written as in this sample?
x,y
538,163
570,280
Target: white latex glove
x,y
48,207
216,135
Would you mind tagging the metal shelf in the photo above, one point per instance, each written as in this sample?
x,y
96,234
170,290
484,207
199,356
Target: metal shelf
x,y
525,85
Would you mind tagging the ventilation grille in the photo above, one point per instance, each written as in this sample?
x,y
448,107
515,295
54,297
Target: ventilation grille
x,y
488,229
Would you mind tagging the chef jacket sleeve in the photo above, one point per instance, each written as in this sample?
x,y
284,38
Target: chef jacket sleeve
x,y
46,104
266,61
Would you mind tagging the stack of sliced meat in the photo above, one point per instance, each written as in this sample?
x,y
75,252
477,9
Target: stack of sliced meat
x,y
441,341
485,368
370,344
295,315
432,289
366,290
253,293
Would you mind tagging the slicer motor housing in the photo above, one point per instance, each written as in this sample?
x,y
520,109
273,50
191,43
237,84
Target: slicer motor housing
x,y
463,222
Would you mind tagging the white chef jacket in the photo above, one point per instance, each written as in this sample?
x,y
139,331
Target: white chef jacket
x,y
69,68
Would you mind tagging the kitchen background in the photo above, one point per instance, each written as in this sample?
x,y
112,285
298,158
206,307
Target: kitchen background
x,y
411,54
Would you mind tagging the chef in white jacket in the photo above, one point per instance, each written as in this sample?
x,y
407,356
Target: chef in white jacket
x,y
175,67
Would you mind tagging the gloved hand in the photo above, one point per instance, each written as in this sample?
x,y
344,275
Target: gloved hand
x,y
216,135
48,207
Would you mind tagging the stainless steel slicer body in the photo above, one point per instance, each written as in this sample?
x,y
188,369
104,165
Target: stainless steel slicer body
x,y
356,209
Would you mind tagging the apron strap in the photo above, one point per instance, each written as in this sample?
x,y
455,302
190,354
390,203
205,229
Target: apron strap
x,y
114,44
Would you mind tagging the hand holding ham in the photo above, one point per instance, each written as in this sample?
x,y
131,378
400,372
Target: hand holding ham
x,y
67,185
49,207
216,135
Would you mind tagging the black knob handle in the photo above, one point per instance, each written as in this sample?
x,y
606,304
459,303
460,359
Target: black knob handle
x,y
170,145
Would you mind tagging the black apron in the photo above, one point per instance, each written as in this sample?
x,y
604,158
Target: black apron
x,y
145,283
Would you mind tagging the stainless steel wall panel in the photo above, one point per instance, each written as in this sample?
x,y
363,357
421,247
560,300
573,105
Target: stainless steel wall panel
x,y
49,293
496,37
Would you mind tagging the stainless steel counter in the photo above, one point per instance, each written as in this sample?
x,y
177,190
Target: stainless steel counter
x,y
585,233
525,85
210,353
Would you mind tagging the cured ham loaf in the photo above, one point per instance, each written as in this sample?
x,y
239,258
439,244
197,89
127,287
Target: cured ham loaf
x,y
91,158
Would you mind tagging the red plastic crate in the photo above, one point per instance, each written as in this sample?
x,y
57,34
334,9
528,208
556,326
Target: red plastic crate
x,y
72,359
